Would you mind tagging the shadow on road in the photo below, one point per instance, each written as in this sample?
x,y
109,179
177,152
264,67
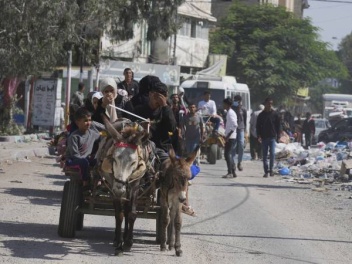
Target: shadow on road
x,y
40,241
36,196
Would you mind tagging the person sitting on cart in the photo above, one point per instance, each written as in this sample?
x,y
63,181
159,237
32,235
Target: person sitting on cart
x,y
80,145
207,107
162,125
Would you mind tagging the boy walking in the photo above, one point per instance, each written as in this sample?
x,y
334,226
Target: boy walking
x,y
192,124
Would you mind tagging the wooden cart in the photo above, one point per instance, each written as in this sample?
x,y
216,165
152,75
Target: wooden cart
x,y
75,205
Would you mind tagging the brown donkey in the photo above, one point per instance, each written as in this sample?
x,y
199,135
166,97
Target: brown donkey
x,y
173,188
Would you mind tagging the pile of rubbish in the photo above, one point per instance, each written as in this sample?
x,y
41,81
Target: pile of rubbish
x,y
324,164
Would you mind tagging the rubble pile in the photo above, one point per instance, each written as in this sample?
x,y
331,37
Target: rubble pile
x,y
325,164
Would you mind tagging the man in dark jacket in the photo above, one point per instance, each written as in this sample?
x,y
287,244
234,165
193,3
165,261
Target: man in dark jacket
x,y
268,131
163,123
129,85
308,130
145,85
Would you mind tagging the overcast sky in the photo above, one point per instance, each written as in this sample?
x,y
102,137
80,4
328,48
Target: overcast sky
x,y
333,19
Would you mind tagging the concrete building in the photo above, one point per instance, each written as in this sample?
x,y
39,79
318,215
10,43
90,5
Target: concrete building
x,y
219,7
189,48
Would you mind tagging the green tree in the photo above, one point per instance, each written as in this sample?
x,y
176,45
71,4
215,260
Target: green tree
x,y
345,53
35,34
272,51
32,34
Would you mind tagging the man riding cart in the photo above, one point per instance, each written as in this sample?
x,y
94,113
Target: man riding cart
x,y
214,134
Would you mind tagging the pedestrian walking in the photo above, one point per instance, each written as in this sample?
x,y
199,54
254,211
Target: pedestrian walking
x,y
254,146
241,113
179,111
230,138
308,129
268,131
78,96
193,127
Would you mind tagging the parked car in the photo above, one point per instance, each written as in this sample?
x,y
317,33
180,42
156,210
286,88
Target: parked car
x,y
342,130
320,125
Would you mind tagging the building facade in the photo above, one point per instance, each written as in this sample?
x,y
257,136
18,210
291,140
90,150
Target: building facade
x,y
189,48
219,7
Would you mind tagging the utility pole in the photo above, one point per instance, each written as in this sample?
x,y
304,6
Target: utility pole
x,y
68,87
175,38
97,65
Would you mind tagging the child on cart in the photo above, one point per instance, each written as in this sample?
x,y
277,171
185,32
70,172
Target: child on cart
x,y
80,145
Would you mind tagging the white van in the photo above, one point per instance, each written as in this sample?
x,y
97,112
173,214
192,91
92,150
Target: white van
x,y
220,87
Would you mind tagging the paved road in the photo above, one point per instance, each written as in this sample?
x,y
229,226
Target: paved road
x,y
245,220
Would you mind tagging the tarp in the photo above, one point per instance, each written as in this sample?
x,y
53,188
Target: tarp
x,y
189,9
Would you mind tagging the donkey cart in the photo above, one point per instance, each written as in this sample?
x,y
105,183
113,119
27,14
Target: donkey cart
x,y
213,145
76,203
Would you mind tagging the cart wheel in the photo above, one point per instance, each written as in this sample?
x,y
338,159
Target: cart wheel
x,y
219,154
79,221
68,214
158,218
212,154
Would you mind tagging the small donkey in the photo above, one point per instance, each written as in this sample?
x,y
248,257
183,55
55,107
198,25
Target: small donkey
x,y
173,186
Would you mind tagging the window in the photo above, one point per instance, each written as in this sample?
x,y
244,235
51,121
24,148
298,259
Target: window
x,y
185,30
193,29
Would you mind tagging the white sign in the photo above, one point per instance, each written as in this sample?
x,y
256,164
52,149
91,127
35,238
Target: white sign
x,y
168,74
46,102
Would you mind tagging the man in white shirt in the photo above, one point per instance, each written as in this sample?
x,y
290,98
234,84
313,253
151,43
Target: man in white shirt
x,y
208,107
230,133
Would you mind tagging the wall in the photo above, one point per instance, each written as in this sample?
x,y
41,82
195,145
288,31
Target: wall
x,y
192,52
136,49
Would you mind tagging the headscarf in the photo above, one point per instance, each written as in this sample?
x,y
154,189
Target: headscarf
x,y
104,84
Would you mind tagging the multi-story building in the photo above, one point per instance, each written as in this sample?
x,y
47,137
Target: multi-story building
x,y
219,7
188,48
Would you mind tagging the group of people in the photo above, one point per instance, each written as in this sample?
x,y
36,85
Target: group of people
x,y
235,127
172,124
147,99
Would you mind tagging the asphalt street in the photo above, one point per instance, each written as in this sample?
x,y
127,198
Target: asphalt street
x,y
249,219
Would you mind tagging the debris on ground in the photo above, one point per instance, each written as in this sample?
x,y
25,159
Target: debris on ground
x,y
325,164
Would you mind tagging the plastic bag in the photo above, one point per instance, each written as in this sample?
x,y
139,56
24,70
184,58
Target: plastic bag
x,y
284,171
194,171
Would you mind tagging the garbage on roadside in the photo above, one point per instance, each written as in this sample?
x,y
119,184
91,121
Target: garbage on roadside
x,y
322,165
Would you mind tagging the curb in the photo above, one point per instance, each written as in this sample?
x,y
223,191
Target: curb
x,y
23,138
18,155
23,147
